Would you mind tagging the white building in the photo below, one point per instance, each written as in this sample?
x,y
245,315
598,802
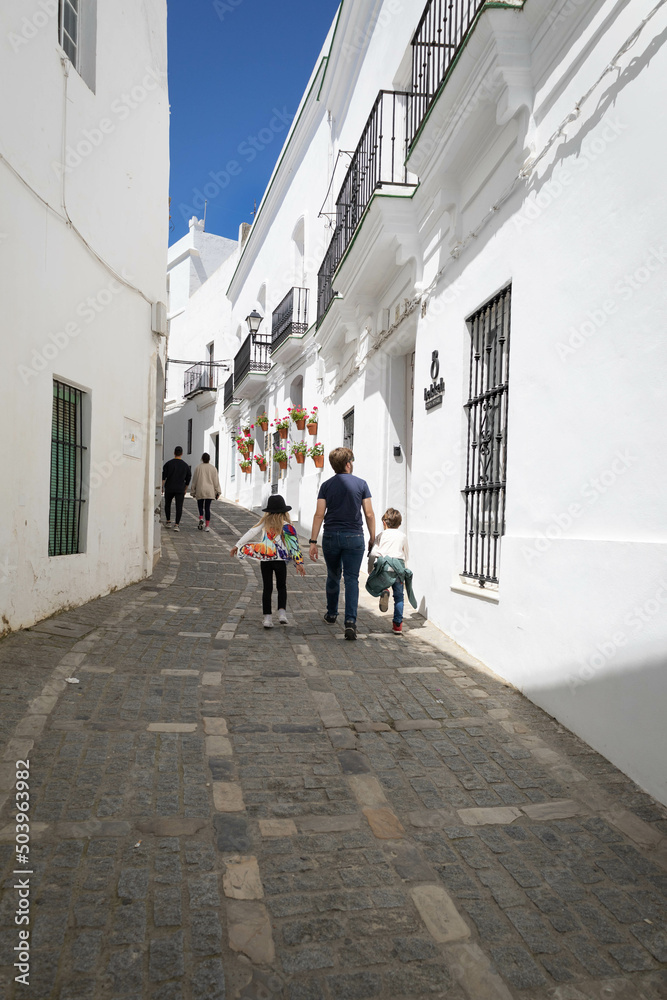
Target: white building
x,y
84,168
472,199
200,344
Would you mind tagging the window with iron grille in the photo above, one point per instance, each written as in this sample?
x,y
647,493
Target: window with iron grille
x,y
232,454
348,430
486,468
68,11
67,450
189,437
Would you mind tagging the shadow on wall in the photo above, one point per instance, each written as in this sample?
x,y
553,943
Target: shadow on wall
x,y
619,711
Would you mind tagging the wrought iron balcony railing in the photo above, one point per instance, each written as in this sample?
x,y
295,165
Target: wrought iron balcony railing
x,y
290,319
201,376
252,357
378,159
229,392
440,34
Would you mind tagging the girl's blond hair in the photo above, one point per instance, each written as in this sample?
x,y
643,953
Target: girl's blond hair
x,y
273,523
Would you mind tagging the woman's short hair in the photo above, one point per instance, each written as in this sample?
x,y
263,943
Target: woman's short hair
x,y
206,457
339,457
392,517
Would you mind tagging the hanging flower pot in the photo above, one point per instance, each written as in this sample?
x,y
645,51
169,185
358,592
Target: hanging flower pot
x,y
282,427
312,421
280,457
264,424
317,455
261,462
299,449
299,415
246,467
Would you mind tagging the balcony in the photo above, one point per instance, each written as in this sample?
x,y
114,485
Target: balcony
x,y
289,321
378,161
251,364
229,400
441,34
200,377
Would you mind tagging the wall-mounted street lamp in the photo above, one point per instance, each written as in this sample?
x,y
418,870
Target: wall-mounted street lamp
x,y
254,321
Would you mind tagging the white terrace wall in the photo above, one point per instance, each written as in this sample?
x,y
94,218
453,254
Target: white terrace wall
x,y
65,315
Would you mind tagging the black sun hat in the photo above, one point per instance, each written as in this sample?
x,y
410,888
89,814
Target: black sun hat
x,y
276,505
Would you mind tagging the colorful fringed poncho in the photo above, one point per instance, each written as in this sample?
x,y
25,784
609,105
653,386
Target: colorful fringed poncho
x,y
284,545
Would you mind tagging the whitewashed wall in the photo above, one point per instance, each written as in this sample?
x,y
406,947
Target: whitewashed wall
x,y
64,314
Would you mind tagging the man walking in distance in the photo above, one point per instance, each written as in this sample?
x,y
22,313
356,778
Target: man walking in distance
x,y
339,504
175,480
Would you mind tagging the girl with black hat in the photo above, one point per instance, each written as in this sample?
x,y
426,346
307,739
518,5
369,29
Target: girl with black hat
x,y
279,544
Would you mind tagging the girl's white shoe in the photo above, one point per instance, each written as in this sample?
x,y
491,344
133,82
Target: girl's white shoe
x,y
268,621
282,616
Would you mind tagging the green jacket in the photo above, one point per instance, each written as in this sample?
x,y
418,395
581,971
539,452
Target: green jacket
x,y
385,573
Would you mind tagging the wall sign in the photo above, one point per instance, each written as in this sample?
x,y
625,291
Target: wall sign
x,y
434,394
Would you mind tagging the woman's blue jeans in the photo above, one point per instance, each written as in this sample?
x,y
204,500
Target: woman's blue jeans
x,y
343,553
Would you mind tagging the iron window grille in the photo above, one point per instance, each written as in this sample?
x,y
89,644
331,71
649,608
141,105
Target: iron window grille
x,y
189,437
348,430
486,467
440,35
68,29
66,490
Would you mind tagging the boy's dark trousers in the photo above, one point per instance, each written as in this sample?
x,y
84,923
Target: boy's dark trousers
x,y
279,567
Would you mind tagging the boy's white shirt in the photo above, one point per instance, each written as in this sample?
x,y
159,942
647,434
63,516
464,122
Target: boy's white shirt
x,y
391,542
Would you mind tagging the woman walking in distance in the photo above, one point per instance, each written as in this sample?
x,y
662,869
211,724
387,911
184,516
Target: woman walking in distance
x,y
205,486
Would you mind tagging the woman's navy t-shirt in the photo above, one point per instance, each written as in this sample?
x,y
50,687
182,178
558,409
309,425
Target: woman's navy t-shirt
x,y
343,494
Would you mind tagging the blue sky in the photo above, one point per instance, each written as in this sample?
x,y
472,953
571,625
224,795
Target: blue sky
x,y
237,70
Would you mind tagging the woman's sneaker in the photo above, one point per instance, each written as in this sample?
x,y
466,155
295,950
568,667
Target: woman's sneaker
x,y
268,621
200,526
384,600
397,627
350,630
282,616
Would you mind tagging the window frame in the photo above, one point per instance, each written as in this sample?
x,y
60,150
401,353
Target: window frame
x,y
348,439
67,471
485,492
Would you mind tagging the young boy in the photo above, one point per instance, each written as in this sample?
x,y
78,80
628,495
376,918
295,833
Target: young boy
x,y
392,544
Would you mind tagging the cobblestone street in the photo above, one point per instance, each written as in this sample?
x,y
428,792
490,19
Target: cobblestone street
x,y
222,811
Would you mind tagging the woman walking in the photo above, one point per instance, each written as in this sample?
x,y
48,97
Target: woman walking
x,y
278,545
205,486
